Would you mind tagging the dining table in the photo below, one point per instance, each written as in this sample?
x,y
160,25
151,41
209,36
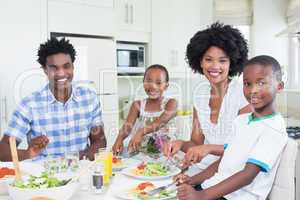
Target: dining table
x,y
119,182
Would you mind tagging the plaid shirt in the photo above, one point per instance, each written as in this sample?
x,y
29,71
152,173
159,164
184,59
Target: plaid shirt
x,y
67,125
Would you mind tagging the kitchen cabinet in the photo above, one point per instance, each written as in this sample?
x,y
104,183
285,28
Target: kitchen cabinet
x,y
81,17
110,117
172,29
23,28
169,39
133,20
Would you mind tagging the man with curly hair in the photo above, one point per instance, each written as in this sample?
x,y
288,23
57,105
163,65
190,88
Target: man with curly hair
x,y
59,118
219,53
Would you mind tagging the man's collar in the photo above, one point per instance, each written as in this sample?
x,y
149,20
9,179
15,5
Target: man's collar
x,y
51,98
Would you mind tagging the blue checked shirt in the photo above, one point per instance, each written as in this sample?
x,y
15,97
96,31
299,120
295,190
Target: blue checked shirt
x,y
66,125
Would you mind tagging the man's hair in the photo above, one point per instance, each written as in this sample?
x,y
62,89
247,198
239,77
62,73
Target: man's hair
x,y
158,66
225,37
55,46
267,61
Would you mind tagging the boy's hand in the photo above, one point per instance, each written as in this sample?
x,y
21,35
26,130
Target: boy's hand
x,y
183,179
195,154
118,147
172,147
187,192
135,141
37,145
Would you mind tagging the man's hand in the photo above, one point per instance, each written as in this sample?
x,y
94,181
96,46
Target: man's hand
x,y
183,179
135,141
37,145
187,192
171,148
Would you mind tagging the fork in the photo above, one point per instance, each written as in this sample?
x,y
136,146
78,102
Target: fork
x,y
159,189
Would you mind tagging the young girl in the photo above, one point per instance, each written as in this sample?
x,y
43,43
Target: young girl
x,y
149,116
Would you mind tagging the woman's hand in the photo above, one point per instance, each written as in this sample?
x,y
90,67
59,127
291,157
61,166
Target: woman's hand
x,y
172,147
196,154
135,141
118,146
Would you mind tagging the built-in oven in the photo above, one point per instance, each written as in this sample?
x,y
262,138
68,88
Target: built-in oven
x,y
130,58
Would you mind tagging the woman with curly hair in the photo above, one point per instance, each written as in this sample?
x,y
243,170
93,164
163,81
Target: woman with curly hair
x,y
219,53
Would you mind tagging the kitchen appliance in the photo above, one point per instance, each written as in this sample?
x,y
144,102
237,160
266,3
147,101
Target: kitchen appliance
x,y
293,132
130,58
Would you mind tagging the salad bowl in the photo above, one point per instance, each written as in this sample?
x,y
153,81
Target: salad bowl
x,y
42,187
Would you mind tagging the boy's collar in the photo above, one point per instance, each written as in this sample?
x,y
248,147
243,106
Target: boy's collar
x,y
251,118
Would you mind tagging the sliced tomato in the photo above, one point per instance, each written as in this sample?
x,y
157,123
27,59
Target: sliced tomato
x,y
4,171
141,166
142,186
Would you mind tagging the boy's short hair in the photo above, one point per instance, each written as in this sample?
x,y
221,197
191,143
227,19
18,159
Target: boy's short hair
x,y
55,46
158,66
267,61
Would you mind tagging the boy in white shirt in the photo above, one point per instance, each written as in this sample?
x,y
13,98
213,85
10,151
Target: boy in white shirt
x,y
248,166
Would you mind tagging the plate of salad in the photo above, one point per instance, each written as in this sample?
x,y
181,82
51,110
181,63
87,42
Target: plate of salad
x,y
139,192
151,171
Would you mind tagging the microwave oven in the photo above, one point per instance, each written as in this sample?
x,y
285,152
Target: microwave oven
x,y
130,58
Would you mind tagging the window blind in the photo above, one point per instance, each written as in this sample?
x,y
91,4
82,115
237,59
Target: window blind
x,y
234,12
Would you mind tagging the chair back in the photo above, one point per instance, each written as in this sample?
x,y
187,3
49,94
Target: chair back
x,y
284,183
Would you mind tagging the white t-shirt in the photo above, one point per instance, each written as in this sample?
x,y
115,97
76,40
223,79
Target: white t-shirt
x,y
219,133
258,141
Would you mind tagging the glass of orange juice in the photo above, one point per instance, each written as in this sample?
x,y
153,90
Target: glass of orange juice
x,y
104,156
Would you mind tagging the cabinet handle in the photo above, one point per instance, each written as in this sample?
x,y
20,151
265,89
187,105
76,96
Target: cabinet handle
x,y
131,12
126,13
5,110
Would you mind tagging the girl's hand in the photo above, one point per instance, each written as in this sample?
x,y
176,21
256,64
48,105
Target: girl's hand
x,y
135,141
183,179
172,147
195,154
187,192
118,147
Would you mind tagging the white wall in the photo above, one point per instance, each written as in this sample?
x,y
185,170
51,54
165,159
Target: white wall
x,y
269,19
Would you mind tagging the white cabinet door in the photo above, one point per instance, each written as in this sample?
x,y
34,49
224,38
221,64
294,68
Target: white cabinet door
x,y
110,116
133,20
81,18
140,12
172,28
23,28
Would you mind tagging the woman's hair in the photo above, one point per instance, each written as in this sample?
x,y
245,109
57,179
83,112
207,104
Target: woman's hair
x,y
55,46
225,37
266,61
158,66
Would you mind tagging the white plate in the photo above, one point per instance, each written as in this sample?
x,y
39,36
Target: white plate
x,y
127,162
123,195
26,168
129,172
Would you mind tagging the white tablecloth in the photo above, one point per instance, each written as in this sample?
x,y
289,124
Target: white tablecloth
x,y
118,183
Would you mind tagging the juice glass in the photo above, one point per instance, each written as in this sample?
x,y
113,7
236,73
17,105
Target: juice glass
x,y
104,156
